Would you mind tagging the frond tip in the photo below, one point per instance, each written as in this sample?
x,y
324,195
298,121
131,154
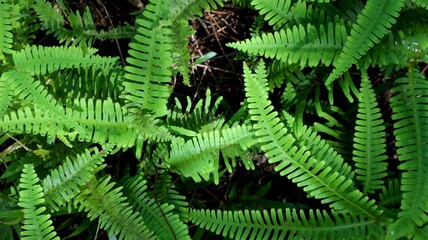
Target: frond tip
x,y
31,197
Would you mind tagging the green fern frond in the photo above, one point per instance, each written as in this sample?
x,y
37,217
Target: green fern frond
x,y
421,3
282,224
181,52
64,182
148,70
51,19
372,25
159,218
5,94
103,122
369,140
195,118
276,12
101,200
6,36
36,224
317,177
184,9
390,198
198,157
305,45
410,116
38,60
31,91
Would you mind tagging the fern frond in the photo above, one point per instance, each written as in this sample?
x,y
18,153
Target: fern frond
x,y
317,177
159,218
390,197
305,45
64,182
411,131
38,60
148,70
276,12
372,25
101,200
282,224
198,157
36,224
184,9
421,3
6,36
5,94
369,140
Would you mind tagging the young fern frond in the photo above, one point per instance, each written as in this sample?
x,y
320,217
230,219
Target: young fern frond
x,y
369,140
372,25
305,45
282,224
158,217
198,158
101,200
148,70
39,60
318,177
411,131
64,182
31,198
6,36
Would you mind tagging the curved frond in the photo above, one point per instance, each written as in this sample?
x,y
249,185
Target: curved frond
x,y
411,131
318,177
282,224
101,200
37,60
369,140
64,182
306,45
158,217
148,70
36,224
198,157
372,25
6,36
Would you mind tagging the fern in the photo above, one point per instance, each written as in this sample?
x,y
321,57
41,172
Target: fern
x,y
306,45
101,200
372,24
36,224
64,183
314,175
282,224
369,141
149,71
410,132
6,36
158,217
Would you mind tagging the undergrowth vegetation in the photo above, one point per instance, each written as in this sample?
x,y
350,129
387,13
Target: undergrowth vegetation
x,y
335,107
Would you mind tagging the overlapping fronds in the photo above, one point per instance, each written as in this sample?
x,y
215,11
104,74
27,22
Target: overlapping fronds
x,y
411,131
195,118
158,217
372,25
83,30
6,36
37,60
37,224
64,182
183,9
306,45
25,88
198,157
317,177
282,224
101,200
148,70
369,140
102,121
